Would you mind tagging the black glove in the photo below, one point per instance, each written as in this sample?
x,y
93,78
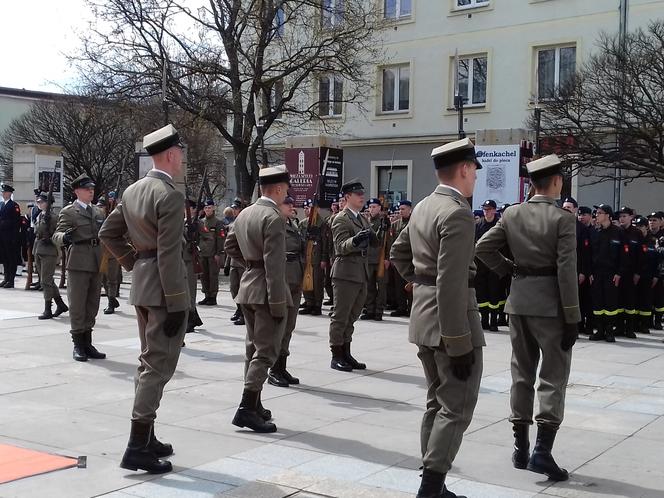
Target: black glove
x,y
67,239
227,271
570,335
361,237
174,321
462,366
313,233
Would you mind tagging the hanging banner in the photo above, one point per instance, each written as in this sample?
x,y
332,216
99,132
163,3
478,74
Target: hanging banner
x,y
45,167
498,179
305,166
330,184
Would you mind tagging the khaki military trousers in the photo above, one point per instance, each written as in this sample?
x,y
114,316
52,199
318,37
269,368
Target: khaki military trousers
x,y
45,266
111,279
235,275
450,406
349,299
262,344
191,282
535,337
210,276
83,291
291,319
157,361
376,291
314,298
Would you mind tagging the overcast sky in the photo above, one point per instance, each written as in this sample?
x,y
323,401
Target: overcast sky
x,y
34,34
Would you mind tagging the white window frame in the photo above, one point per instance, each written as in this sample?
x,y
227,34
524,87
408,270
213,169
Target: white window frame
x,y
397,10
471,69
474,4
397,94
376,165
333,80
556,66
336,17
272,98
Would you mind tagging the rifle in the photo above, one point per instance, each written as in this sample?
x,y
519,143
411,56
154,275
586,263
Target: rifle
x,y
308,279
385,201
63,274
192,224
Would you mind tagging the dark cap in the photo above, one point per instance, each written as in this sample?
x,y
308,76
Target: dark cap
x,y
7,188
82,181
42,196
352,186
405,202
572,201
626,210
640,221
455,152
504,207
162,139
546,166
209,202
273,175
374,200
585,210
656,214
606,208
489,204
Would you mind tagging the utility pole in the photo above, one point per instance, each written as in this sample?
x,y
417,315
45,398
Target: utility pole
x,y
617,172
458,98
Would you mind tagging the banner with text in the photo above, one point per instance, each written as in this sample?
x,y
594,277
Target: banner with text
x,y
45,168
498,179
305,166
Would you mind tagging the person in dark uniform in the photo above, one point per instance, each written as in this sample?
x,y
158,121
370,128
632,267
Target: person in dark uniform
x,y
326,252
313,299
10,226
403,299
609,267
278,375
488,286
645,288
583,265
632,246
376,291
191,239
656,222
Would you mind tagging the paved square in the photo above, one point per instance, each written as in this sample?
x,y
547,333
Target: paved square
x,y
340,434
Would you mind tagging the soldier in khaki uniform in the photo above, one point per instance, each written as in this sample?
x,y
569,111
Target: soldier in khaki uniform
x,y
327,253
376,286
111,271
279,376
352,235
46,259
191,238
435,252
78,228
543,306
403,299
313,300
151,214
258,238
211,243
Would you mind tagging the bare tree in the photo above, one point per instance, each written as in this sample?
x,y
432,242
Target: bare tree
x,y
225,58
611,115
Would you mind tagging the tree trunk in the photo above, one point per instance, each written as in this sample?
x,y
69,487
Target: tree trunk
x,y
245,183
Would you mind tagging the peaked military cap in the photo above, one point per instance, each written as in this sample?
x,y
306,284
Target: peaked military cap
x,y
209,202
546,166
572,201
7,188
585,210
162,139
455,152
42,196
273,175
82,181
490,204
626,210
606,208
352,186
405,202
640,221
656,214
374,200
504,207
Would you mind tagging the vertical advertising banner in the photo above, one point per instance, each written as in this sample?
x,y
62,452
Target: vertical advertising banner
x,y
47,169
498,179
305,166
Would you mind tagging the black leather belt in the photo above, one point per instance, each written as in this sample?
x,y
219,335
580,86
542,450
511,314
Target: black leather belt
x,y
520,271
87,242
430,280
150,253
255,264
292,256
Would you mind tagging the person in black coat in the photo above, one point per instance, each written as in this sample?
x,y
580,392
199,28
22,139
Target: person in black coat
x,y
10,224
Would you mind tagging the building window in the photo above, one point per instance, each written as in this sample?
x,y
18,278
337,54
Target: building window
x,y
330,95
279,21
555,66
396,88
398,185
276,96
470,4
332,13
472,77
396,9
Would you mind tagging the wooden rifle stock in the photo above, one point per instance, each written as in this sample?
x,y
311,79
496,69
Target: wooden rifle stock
x,y
308,279
63,274
28,281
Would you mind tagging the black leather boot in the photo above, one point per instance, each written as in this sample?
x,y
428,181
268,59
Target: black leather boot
x,y
600,335
90,350
161,450
493,321
485,319
431,485
644,323
205,301
47,314
631,326
264,413
276,375
521,453
502,319
139,454
609,329
196,318
541,461
235,315
247,414
352,361
657,322
339,361
288,376
61,307
79,353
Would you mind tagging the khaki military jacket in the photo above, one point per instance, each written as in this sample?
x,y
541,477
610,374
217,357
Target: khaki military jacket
x,y
327,250
44,246
259,238
85,251
211,235
539,235
436,248
294,257
350,263
151,213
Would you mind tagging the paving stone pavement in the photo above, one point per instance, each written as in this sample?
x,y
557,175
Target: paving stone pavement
x,y
340,434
